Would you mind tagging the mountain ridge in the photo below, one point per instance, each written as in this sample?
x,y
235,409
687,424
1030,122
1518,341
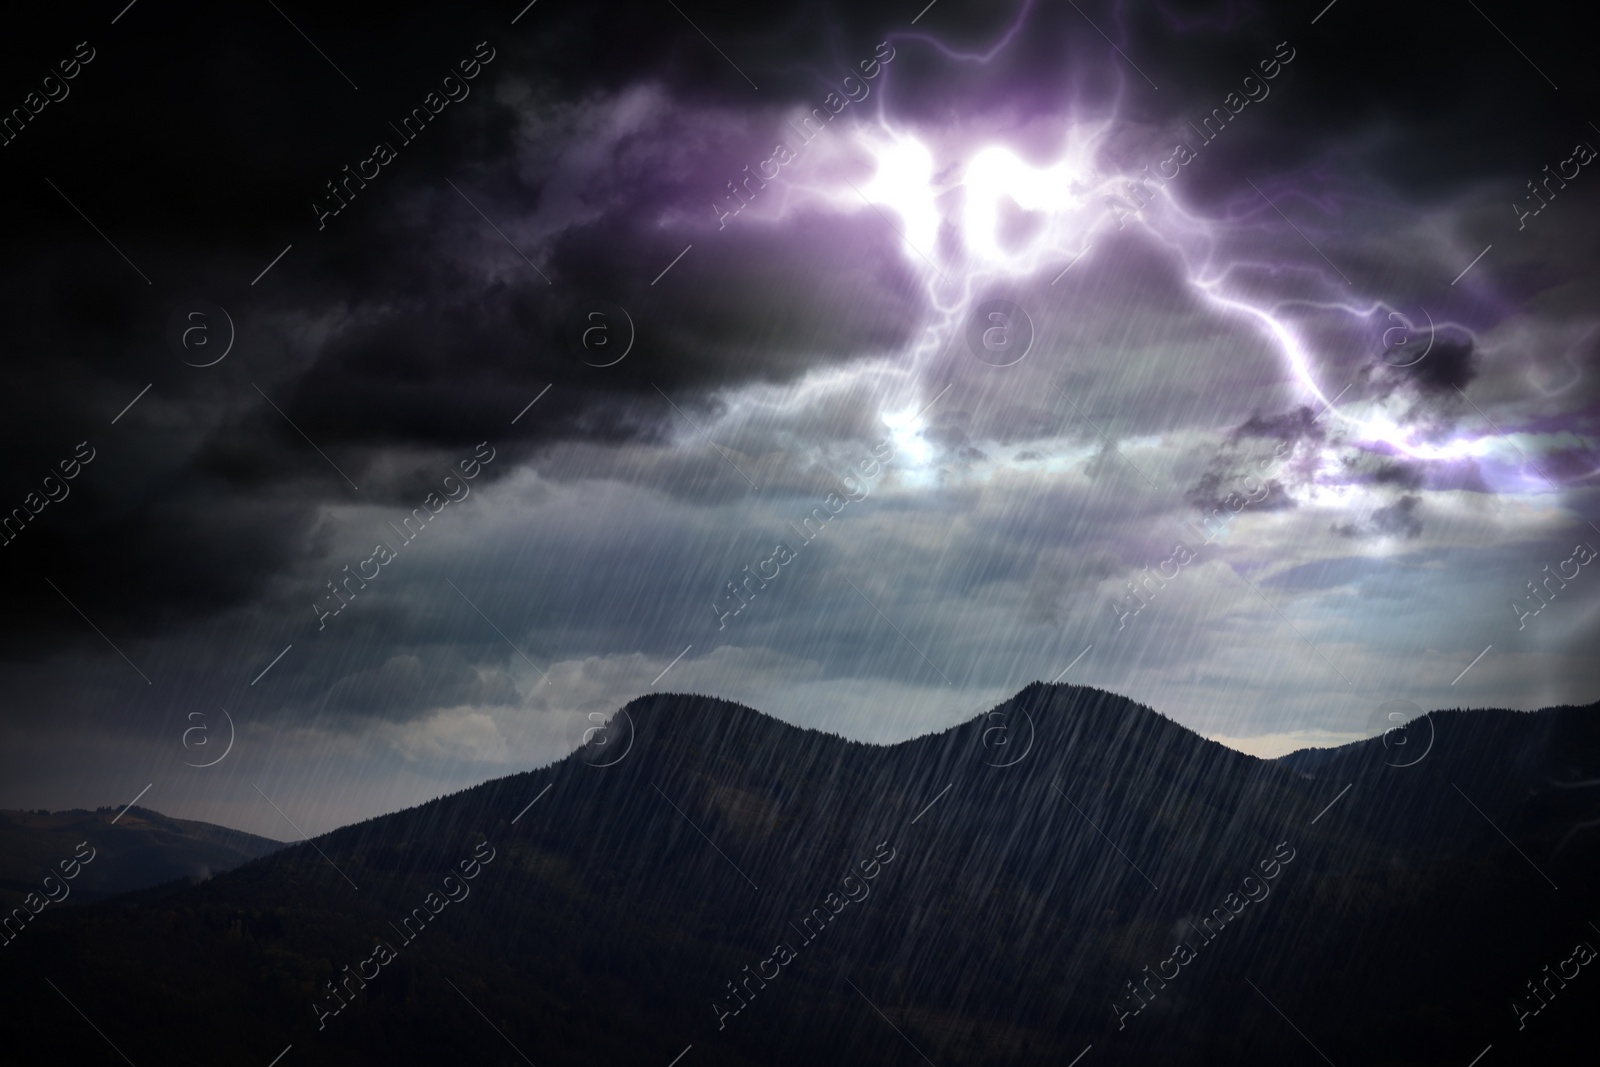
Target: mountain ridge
x,y
149,848
1044,854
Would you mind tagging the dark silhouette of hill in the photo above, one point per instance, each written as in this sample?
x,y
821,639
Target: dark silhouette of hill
x,y
704,875
142,849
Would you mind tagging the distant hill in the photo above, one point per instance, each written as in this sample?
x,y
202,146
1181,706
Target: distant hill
x,y
1013,890
144,848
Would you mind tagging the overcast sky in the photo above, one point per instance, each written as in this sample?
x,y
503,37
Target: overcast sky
x,y
1332,323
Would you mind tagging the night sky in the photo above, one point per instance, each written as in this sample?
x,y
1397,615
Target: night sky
x,y
402,391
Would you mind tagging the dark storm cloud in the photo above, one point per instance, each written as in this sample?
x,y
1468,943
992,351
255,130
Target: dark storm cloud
x,y
408,329
393,338
1290,427
1405,475
1255,455
1370,468
1447,367
1392,520
1215,488
407,684
1399,518
760,306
